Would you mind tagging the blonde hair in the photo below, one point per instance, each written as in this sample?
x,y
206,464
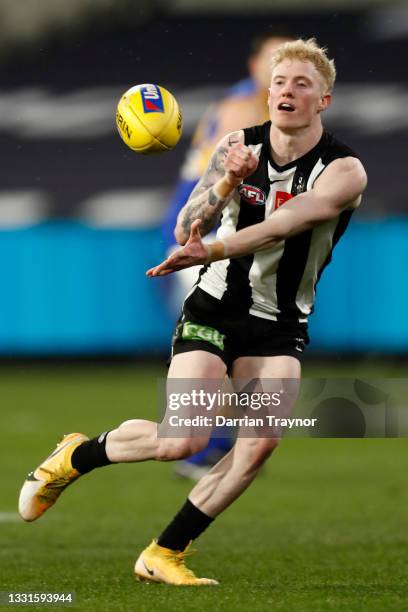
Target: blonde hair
x,y
307,50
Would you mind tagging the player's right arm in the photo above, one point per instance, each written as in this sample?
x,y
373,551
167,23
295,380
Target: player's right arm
x,y
230,163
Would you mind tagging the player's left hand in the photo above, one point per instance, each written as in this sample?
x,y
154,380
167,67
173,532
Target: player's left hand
x,y
194,253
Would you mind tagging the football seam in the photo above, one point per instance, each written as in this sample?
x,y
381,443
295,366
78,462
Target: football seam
x,y
142,124
174,104
163,128
174,111
147,129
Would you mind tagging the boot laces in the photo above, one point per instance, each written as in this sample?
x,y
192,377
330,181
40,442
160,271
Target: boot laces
x,y
56,484
178,558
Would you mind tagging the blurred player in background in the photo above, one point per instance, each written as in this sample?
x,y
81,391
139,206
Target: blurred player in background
x,y
244,105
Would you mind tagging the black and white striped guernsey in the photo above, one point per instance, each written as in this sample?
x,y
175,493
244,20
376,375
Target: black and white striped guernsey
x,y
278,283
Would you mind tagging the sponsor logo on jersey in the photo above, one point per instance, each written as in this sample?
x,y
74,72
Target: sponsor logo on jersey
x,y
252,195
281,197
152,99
193,331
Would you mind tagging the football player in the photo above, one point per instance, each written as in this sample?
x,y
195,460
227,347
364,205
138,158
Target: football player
x,y
284,193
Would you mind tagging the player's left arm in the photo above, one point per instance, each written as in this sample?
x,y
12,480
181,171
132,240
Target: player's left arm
x,y
338,188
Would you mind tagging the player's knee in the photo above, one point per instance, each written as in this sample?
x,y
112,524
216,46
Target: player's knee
x,y
174,450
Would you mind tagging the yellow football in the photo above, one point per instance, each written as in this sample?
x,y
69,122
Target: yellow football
x,y
149,120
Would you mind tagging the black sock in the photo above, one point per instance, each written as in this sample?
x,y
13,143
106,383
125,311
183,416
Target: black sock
x,y
90,454
187,525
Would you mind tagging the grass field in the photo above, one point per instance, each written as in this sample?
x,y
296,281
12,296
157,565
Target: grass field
x,y
323,527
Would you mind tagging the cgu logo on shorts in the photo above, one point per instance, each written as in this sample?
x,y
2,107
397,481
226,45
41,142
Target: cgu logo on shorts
x,y
152,99
252,195
193,331
282,197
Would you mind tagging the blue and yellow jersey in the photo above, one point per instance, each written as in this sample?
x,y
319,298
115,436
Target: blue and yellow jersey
x,y
199,154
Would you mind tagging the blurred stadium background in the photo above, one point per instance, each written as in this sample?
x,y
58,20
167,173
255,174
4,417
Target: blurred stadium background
x,y
80,223
80,214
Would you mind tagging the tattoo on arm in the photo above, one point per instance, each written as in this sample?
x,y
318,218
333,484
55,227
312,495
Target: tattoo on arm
x,y
230,141
214,172
206,207
213,199
203,203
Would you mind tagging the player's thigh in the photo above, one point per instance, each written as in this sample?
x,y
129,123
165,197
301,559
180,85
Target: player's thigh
x,y
282,366
190,372
278,376
197,365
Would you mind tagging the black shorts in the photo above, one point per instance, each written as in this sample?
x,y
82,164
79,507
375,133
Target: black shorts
x,y
207,325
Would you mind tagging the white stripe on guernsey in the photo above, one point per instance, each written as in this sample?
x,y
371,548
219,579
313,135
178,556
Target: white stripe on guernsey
x,y
280,174
262,278
263,315
262,275
214,280
256,148
315,173
320,246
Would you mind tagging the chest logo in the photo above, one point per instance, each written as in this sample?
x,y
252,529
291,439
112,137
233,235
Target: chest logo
x,y
281,197
252,195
